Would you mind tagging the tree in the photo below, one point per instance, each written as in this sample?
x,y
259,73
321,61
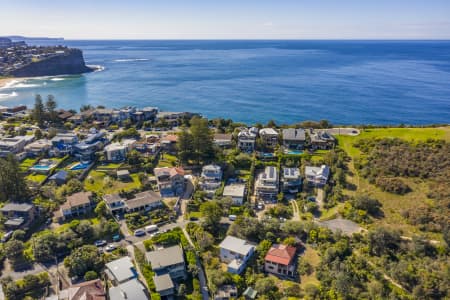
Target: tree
x,y
12,184
101,209
90,275
182,290
266,286
383,241
50,106
19,235
212,213
38,134
185,146
82,260
14,250
38,113
202,140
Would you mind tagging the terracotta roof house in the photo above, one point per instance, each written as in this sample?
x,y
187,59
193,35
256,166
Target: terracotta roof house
x,y
280,260
169,143
88,290
77,204
170,181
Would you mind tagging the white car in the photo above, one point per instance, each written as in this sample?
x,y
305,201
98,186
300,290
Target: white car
x,y
110,247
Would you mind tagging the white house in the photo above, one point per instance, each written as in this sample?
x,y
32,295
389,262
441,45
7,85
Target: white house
x,y
267,184
269,137
118,151
236,253
236,192
317,176
211,178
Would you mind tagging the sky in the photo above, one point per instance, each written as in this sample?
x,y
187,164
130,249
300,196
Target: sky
x,y
227,19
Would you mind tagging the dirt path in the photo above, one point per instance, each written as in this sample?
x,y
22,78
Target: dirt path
x,y
320,198
295,210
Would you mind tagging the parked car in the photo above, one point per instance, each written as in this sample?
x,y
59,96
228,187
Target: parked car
x,y
139,232
232,217
110,247
7,236
100,243
151,228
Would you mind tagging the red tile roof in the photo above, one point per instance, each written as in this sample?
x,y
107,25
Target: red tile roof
x,y
281,254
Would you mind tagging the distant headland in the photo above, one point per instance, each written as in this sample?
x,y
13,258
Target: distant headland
x,y
17,59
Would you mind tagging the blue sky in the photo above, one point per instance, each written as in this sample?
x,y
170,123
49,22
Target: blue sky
x,y
227,19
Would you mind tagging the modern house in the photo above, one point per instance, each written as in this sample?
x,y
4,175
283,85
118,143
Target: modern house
x,y
266,185
294,138
269,137
236,253
18,215
59,177
168,261
14,145
236,192
170,181
85,150
76,205
63,144
39,147
130,290
223,140
317,176
291,180
118,151
120,270
246,140
226,292
169,143
322,140
280,260
211,178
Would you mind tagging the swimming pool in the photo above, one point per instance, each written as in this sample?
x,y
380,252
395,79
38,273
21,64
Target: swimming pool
x,y
79,166
294,152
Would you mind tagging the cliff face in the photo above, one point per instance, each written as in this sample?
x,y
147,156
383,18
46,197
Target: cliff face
x,y
71,62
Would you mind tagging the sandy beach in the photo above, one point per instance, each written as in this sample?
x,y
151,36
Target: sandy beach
x,y
5,82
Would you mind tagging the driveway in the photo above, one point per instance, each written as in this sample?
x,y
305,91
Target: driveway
x,y
346,226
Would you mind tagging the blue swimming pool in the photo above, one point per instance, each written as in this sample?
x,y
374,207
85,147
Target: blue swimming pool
x,y
79,166
295,152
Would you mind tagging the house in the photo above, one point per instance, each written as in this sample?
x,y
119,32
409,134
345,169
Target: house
x,y
294,138
115,203
322,140
59,177
291,180
63,143
143,201
76,205
236,192
85,151
226,292
88,290
246,140
170,181
269,137
76,119
267,185
317,176
168,261
280,260
223,140
236,253
164,285
211,178
169,143
64,115
118,151
103,115
39,147
130,290
120,270
14,145
18,215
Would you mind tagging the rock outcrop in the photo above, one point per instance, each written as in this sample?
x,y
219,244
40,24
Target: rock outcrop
x,y
69,63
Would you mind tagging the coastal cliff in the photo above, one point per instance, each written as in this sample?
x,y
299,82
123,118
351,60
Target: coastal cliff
x,y
69,63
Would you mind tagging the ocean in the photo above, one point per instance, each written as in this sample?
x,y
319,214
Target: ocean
x,y
345,82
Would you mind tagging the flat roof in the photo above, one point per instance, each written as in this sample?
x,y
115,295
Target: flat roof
x,y
165,257
163,282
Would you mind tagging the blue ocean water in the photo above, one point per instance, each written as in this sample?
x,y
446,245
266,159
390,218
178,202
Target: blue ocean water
x,y
346,82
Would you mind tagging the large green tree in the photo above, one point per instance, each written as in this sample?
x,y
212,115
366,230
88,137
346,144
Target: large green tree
x,y
212,213
202,140
84,259
185,146
50,107
12,184
38,113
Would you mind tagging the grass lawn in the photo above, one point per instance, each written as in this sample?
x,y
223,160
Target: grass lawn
x,y
318,155
167,160
393,204
102,183
38,178
27,163
313,258
243,174
63,227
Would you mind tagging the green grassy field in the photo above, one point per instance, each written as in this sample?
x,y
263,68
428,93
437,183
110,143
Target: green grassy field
x,y
38,178
393,204
27,163
311,256
100,182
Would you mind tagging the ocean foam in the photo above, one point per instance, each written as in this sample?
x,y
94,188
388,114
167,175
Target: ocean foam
x,y
57,79
130,59
3,96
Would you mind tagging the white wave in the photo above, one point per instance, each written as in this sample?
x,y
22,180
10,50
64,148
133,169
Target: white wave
x,y
130,59
13,94
10,84
25,85
97,68
57,79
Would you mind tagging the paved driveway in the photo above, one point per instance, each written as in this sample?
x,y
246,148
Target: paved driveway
x,y
346,226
